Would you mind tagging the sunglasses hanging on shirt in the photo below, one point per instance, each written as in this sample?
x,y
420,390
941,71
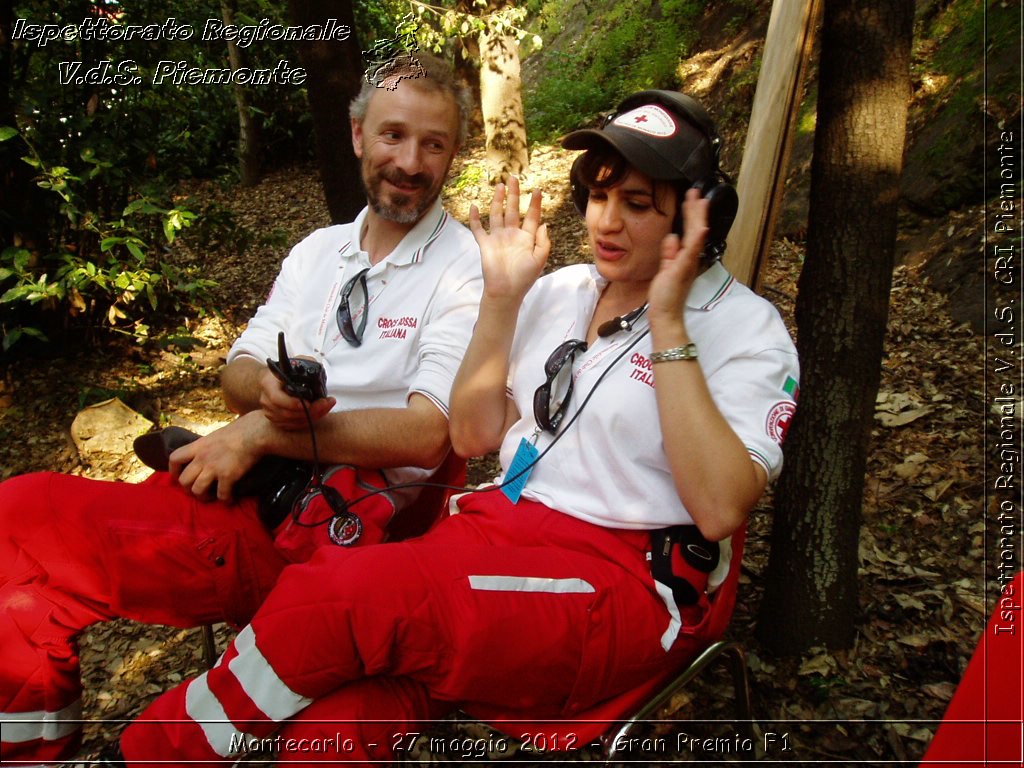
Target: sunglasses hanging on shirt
x,y
549,405
548,408
352,309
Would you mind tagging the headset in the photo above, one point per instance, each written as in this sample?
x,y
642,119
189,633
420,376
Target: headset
x,y
712,182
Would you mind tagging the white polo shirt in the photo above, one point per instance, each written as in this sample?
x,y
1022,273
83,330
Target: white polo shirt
x,y
423,302
609,467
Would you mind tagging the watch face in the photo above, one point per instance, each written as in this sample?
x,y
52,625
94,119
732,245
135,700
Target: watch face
x,y
345,529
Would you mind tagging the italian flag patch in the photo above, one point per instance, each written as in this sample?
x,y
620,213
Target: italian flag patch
x,y
791,388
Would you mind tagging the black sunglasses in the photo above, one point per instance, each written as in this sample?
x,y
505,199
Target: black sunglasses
x,y
353,332
549,414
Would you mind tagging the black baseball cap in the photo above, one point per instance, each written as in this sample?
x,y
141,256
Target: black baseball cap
x,y
650,131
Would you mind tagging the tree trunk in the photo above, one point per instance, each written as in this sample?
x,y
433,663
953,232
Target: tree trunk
x,y
501,100
22,208
811,594
333,76
249,144
501,103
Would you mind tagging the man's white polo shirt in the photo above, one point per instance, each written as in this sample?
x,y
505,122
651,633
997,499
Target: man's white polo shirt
x,y
423,302
609,466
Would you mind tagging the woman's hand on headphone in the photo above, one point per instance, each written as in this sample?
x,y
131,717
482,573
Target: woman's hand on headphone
x,y
512,254
680,261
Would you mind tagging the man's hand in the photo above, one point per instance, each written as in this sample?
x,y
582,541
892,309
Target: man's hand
x,y
285,411
220,458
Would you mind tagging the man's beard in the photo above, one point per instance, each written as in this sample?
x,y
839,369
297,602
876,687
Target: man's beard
x,y
396,206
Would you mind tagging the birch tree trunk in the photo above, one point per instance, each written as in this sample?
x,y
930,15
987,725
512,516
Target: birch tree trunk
x,y
501,104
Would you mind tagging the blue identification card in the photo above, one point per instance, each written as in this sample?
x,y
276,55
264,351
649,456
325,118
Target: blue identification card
x,y
520,469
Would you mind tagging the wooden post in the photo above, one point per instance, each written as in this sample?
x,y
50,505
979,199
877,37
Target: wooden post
x,y
787,50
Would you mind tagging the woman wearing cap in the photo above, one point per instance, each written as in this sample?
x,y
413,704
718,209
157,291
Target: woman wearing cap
x,y
636,402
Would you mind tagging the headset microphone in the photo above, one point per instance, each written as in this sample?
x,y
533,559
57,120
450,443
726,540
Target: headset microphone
x,y
621,323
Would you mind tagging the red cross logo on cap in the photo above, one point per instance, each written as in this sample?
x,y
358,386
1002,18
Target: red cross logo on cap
x,y
649,119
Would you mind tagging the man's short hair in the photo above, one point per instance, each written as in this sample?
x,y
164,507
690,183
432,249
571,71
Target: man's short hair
x,y
423,68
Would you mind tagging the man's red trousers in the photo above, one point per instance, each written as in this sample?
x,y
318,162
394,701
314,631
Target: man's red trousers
x,y
75,551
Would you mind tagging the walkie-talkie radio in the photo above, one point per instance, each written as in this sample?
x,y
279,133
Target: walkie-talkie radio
x,y
307,380
304,379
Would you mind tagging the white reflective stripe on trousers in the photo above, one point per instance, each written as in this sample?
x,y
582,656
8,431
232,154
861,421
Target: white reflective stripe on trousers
x,y
676,621
19,727
530,584
206,711
261,684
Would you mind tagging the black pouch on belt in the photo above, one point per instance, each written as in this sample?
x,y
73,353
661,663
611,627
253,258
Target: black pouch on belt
x,y
682,559
278,483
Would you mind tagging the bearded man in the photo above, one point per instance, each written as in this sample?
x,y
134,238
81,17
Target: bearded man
x,y
386,305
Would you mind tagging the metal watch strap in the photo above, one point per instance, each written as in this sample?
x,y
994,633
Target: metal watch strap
x,y
685,352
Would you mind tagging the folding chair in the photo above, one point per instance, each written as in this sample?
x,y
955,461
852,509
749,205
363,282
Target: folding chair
x,y
415,520
612,721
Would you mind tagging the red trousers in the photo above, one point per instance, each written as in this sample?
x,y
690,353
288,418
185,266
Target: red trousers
x,y
504,610
75,551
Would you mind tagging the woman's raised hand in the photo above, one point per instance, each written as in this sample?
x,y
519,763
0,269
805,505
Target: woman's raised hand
x,y
512,254
680,260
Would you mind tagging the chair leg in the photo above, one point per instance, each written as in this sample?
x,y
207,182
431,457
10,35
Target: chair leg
x,y
736,659
209,645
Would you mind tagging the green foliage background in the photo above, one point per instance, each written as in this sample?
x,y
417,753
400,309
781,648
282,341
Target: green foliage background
x,y
89,247
92,218
614,51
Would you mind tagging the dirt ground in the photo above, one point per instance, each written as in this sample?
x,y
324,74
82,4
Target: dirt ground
x,y
922,545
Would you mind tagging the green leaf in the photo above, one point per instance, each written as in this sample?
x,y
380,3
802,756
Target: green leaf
x,y
7,132
135,250
13,294
107,243
10,339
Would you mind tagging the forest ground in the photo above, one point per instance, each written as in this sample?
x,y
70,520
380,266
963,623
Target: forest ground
x,y
923,547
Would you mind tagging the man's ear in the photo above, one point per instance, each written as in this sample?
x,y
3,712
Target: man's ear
x,y
357,137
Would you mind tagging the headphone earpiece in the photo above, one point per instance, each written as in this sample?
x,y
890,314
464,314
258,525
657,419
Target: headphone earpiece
x,y
723,202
